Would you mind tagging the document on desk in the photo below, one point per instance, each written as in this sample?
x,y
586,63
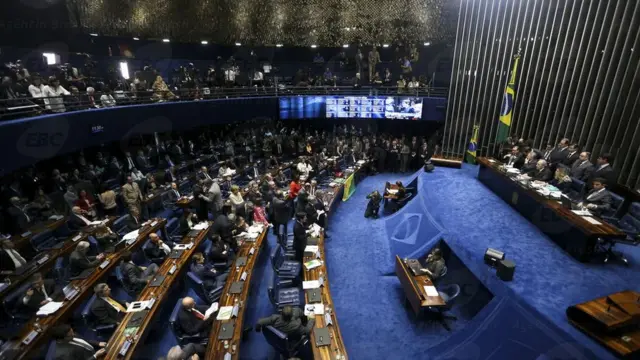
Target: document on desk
x,y
592,220
201,226
314,309
581,212
55,217
431,291
49,308
392,191
225,313
131,235
312,249
213,308
138,306
311,284
312,264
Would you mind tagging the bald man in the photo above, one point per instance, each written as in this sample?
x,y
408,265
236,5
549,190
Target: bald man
x,y
157,250
192,319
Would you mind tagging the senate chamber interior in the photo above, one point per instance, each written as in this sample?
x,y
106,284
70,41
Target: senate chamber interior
x,y
319,180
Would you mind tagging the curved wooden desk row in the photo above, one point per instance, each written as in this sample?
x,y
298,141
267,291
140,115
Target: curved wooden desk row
x,y
23,241
46,259
217,349
172,269
30,339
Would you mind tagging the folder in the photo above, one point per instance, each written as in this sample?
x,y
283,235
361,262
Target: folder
x,y
236,287
321,336
157,281
226,331
241,261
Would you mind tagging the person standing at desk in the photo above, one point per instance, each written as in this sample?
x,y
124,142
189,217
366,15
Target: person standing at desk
x,y
434,264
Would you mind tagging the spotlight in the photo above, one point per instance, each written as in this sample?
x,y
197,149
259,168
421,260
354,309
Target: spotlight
x,y
347,29
278,45
427,43
314,46
204,42
136,39
385,45
345,46
166,40
238,44
93,34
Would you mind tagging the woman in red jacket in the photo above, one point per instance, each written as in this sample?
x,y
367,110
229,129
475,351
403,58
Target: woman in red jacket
x,y
87,205
294,187
259,214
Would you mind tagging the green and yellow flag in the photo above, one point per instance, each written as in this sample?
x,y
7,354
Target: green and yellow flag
x,y
473,146
349,188
504,126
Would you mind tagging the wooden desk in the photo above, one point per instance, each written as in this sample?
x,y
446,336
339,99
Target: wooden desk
x,y
612,321
215,349
158,293
24,242
85,287
413,287
572,232
51,256
185,201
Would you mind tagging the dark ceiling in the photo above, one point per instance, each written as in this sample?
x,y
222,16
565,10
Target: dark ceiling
x,y
268,22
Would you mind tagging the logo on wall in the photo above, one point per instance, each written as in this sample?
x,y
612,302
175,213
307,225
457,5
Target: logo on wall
x,y
407,230
44,139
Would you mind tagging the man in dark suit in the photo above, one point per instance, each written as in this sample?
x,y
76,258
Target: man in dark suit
x,y
203,174
105,309
70,347
210,277
187,352
187,221
133,221
559,154
530,164
598,199
573,155
542,173
281,213
40,293
20,219
222,227
219,250
136,277
77,221
320,211
128,164
10,258
290,321
174,193
192,319
515,159
79,261
581,169
141,161
157,250
604,170
300,235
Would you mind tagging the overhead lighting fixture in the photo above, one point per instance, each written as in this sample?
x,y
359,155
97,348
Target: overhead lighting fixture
x,y
427,43
385,45
204,42
136,39
345,46
166,40
238,44
52,58
124,70
93,34
347,29
314,46
278,45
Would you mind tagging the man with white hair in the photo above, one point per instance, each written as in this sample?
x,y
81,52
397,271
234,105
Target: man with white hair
x,y
79,261
77,220
188,352
542,173
107,310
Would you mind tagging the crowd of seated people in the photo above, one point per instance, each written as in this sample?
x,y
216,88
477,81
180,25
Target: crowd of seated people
x,y
88,187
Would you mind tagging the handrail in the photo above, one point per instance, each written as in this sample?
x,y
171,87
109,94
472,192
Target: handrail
x,y
22,107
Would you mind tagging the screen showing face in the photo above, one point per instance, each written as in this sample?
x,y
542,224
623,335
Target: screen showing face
x,y
350,107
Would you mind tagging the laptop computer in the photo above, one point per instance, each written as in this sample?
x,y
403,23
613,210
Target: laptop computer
x,y
116,247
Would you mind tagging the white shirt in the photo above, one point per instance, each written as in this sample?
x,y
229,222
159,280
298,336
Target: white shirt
x,y
86,221
52,98
36,91
258,76
414,84
107,100
82,343
130,162
593,194
304,168
165,248
230,75
15,256
137,175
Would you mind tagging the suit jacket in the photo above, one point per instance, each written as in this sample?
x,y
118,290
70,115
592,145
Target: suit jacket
x,y
133,223
154,252
141,162
215,194
542,175
6,264
581,170
173,196
75,223
601,199
558,155
34,301
132,276
528,168
571,158
20,220
221,226
607,173
79,262
189,323
104,313
131,193
293,328
299,240
126,166
518,162
66,350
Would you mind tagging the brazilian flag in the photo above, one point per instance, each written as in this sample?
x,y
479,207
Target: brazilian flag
x,y
349,188
473,146
504,126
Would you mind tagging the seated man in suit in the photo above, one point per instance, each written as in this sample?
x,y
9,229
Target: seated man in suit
x,y
530,163
598,199
78,221
174,193
542,173
290,321
20,219
136,277
434,264
209,276
192,319
187,220
70,347
10,258
515,158
219,250
157,249
581,168
105,309
40,293
134,221
190,351
79,261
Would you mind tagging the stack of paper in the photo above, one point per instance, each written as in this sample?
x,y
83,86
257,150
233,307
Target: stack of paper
x,y
132,235
213,308
138,306
311,284
49,308
431,291
311,249
55,217
313,309
225,313
312,264
201,226
592,220
582,212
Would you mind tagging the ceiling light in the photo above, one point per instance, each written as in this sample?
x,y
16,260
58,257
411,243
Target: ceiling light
x,y
93,34
314,46
238,44
427,43
345,46
278,45
385,45
204,42
347,29
135,38
165,40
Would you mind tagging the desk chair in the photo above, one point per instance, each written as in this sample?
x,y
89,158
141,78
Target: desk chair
x,y
283,266
281,343
61,270
120,225
629,223
448,293
51,351
103,332
12,305
120,278
193,281
183,339
282,292
208,248
43,241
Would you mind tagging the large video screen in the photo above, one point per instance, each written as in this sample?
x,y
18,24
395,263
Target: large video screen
x,y
358,107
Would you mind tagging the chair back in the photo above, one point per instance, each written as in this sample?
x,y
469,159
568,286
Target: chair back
x,y
121,280
277,339
86,314
41,240
449,293
172,226
272,289
61,270
51,351
616,203
194,282
276,256
120,225
630,222
12,302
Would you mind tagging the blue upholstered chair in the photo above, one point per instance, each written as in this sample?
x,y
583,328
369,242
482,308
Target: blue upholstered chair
x,y
61,270
449,293
576,189
282,293
44,240
284,267
180,335
281,343
628,223
120,225
172,226
102,331
194,282
616,203
120,278
51,351
12,305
